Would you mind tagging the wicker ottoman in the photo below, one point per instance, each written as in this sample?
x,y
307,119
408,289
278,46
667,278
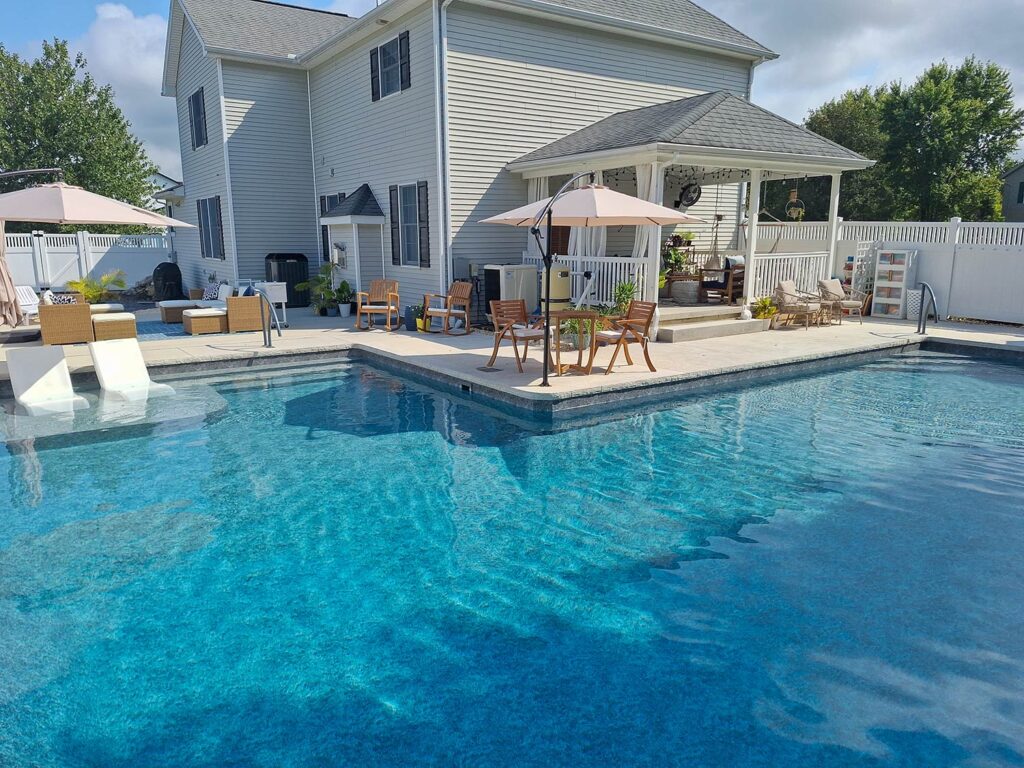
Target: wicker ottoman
x,y
199,321
114,325
171,311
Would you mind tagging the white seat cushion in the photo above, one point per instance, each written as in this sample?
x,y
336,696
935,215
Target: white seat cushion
x,y
609,334
530,333
99,309
113,317
211,305
178,304
208,312
380,307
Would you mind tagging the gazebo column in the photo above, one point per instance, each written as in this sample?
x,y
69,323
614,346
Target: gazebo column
x,y
833,225
755,208
650,187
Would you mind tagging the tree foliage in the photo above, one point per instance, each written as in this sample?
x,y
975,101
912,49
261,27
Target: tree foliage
x,y
941,144
53,114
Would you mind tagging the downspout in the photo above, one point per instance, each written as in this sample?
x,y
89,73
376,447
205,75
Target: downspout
x,y
227,168
312,169
441,114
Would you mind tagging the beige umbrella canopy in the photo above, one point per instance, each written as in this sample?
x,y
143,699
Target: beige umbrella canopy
x,y
595,206
63,204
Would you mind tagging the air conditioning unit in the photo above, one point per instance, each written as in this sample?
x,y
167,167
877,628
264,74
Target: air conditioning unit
x,y
511,281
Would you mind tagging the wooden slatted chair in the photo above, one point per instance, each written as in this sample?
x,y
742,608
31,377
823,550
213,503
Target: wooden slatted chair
x,y
512,322
455,307
634,328
381,299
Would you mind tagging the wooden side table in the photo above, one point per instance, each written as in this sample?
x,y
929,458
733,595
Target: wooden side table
x,y
591,320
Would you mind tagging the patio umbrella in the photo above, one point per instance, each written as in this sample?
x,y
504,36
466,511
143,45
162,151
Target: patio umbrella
x,y
63,204
593,205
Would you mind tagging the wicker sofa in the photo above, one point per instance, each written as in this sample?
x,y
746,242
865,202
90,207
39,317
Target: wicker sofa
x,y
242,313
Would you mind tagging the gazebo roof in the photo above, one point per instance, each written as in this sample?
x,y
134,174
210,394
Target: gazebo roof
x,y
708,124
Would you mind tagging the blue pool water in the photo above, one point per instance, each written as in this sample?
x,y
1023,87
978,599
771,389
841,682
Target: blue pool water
x,y
342,568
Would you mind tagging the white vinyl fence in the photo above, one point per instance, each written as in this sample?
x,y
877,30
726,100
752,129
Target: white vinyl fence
x,y
50,261
976,269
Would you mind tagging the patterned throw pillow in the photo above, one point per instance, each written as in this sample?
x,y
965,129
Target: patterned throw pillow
x,y
64,298
211,292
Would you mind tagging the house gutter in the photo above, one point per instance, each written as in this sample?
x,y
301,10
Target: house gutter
x,y
441,114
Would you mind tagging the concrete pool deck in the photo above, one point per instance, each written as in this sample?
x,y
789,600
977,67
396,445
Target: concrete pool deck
x,y
455,362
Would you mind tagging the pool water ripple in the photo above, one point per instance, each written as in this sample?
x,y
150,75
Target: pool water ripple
x,y
346,568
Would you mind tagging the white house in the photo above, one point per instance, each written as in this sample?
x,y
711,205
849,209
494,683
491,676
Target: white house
x,y
389,137
1013,193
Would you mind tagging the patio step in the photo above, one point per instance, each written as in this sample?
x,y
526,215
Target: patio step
x,y
712,329
699,313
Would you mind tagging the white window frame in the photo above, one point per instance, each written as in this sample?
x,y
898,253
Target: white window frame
x,y
384,93
402,224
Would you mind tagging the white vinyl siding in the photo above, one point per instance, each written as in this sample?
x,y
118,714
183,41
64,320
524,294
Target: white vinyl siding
x,y
517,83
382,143
266,110
203,170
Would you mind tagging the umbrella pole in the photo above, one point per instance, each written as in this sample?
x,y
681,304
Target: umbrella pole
x,y
548,259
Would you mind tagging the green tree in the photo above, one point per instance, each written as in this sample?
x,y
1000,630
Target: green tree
x,y
950,135
53,114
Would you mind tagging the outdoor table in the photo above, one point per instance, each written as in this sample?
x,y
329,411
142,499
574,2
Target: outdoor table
x,y
591,320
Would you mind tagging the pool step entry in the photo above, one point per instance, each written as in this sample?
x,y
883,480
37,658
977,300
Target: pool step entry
x,y
712,329
703,321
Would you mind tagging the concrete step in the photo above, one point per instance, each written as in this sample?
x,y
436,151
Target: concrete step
x,y
713,329
700,313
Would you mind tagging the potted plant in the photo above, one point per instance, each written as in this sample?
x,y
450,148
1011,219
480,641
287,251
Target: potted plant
x,y
663,289
413,313
344,298
623,294
422,321
98,291
687,238
765,309
321,290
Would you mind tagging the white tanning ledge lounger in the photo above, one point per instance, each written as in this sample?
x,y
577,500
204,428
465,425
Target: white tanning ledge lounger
x,y
122,371
41,381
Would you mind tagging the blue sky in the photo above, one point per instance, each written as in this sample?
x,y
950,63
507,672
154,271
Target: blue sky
x,y
826,47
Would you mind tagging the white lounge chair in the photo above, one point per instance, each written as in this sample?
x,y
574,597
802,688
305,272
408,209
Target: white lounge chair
x,y
122,371
28,301
42,382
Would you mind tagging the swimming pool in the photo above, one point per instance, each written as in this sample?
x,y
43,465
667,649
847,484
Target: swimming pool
x,y
344,568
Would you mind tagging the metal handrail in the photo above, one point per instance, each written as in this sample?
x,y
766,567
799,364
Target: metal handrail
x,y
927,295
268,339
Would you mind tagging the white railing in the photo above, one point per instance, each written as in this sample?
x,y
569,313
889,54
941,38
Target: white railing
x,y
927,232
609,271
51,260
805,269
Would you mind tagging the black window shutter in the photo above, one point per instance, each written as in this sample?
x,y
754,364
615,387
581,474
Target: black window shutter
x,y
200,118
375,74
396,228
405,64
192,119
423,202
203,228
323,204
220,230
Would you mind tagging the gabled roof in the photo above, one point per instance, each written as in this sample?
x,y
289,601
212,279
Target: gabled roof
x,y
360,203
1012,171
681,16
717,120
262,27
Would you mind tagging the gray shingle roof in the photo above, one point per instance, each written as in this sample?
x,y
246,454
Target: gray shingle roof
x,y
716,120
672,15
360,203
262,27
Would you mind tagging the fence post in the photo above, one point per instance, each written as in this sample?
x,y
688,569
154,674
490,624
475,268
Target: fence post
x,y
953,238
84,254
39,258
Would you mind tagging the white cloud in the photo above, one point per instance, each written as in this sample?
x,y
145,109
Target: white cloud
x,y
829,47
127,51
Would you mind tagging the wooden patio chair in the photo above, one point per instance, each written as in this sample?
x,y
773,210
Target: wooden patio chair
x,y
455,307
511,321
381,299
725,284
634,328
794,303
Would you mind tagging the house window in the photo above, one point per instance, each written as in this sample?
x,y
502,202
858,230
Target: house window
x,y
1020,194
560,240
211,228
327,202
390,67
410,225
197,119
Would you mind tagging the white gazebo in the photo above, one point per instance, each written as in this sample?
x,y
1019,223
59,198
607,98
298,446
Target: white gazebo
x,y
715,141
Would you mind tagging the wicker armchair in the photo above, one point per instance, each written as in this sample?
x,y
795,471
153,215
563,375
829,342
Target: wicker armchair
x,y
246,313
842,299
66,323
794,303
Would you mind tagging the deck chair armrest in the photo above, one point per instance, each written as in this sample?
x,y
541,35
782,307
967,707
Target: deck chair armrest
x,y
363,295
394,296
